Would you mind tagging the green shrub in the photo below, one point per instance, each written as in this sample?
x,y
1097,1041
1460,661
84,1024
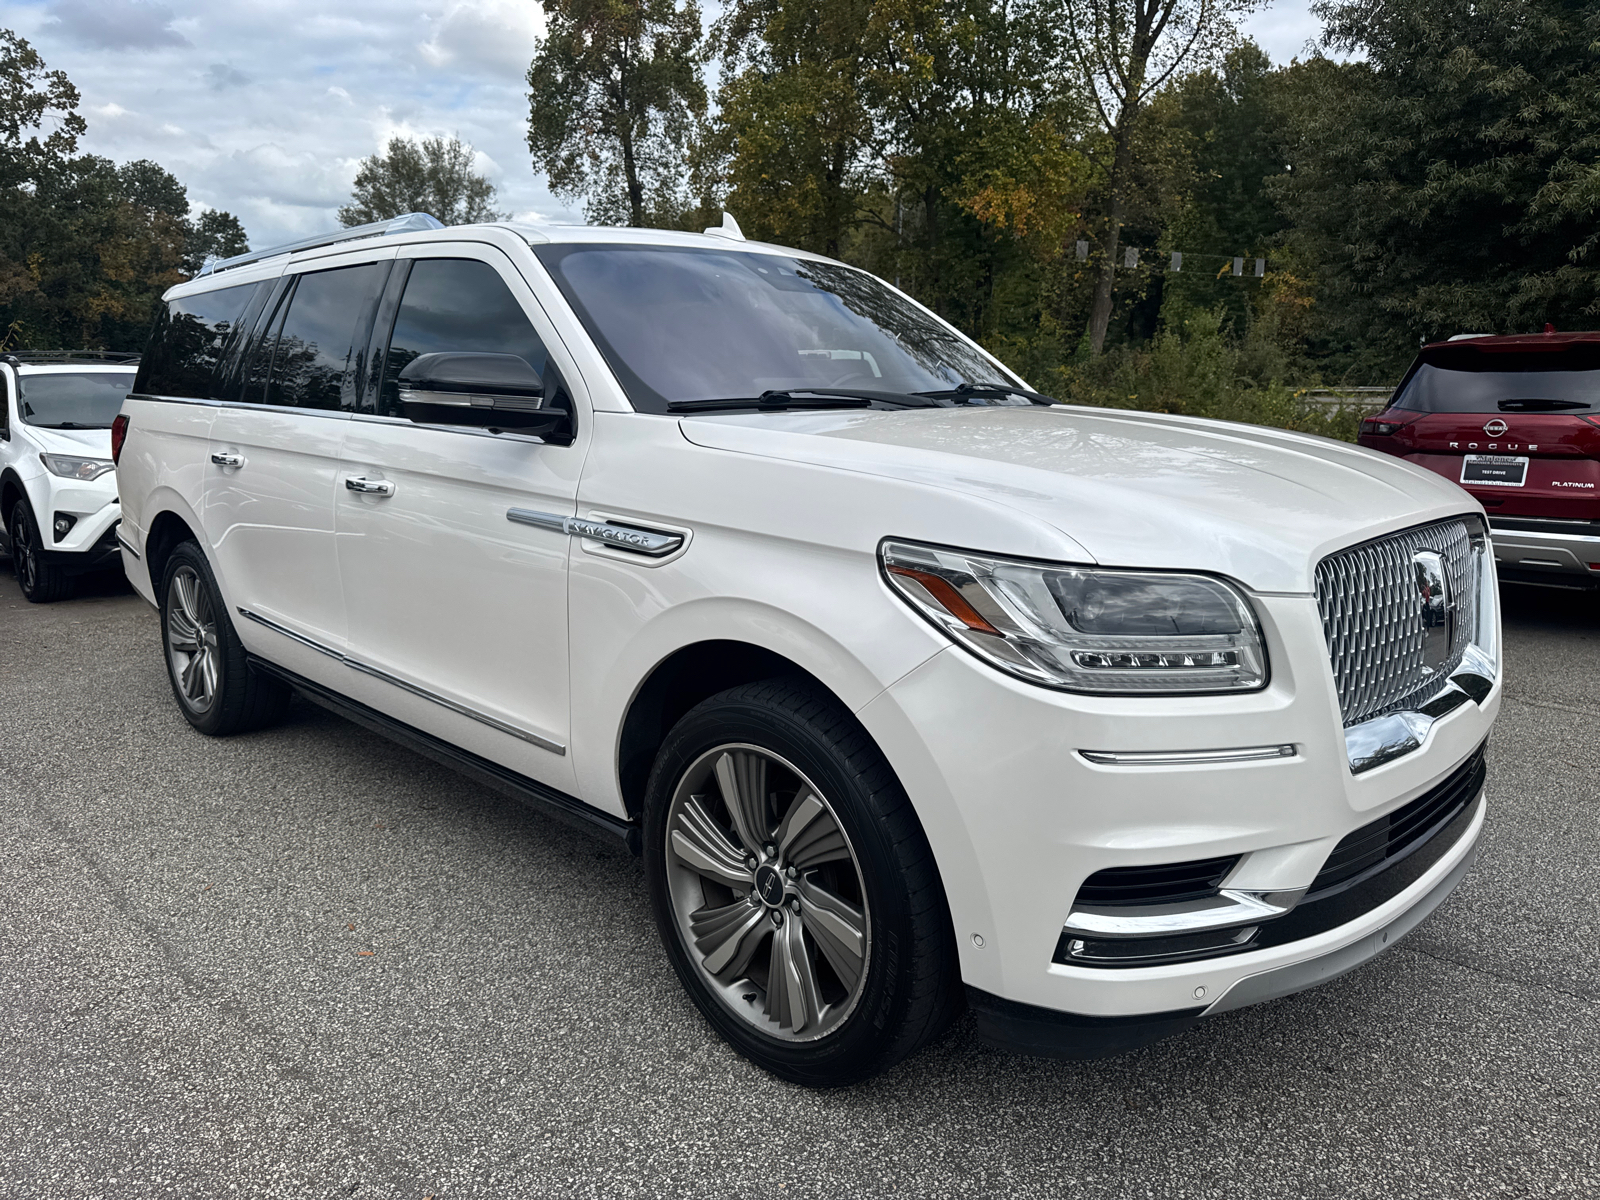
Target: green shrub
x,y
1194,366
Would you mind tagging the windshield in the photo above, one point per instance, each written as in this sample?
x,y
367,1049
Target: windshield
x,y
1433,389
74,400
691,324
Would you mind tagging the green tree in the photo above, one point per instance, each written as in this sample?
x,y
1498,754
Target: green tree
x,y
795,120
433,175
213,234
1448,183
1125,52
39,120
614,93
1230,122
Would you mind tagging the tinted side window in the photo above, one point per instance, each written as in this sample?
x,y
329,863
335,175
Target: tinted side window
x,y
455,304
312,360
188,341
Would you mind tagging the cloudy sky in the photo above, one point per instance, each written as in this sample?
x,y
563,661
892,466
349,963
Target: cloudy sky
x,y
265,107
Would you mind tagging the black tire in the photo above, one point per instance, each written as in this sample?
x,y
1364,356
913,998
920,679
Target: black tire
x,y
238,699
909,991
39,581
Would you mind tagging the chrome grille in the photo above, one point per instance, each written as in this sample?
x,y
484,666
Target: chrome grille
x,y
1372,617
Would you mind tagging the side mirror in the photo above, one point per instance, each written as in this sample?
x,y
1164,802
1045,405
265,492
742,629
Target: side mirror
x,y
495,391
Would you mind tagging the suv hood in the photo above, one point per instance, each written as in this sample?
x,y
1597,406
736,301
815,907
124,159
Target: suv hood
x,y
85,443
1132,489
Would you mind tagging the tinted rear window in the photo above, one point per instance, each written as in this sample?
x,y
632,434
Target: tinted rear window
x,y
1517,383
188,342
311,365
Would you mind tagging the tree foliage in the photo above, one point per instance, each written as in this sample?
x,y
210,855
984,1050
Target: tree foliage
x,y
86,246
1448,183
614,94
434,175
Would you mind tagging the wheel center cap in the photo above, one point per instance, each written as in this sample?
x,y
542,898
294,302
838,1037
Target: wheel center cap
x,y
769,886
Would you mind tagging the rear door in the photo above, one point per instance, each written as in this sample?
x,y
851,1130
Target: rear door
x,y
458,615
274,463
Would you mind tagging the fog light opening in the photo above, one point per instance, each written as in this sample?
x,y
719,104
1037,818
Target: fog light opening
x,y
63,525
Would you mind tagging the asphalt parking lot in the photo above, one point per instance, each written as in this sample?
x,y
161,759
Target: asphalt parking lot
x,y
307,963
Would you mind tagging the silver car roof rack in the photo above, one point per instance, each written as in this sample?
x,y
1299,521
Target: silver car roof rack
x,y
416,222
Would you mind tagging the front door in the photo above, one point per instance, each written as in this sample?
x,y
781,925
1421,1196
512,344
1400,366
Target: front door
x,y
458,615
273,464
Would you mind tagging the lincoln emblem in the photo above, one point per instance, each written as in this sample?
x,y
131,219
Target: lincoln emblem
x,y
1438,608
1495,427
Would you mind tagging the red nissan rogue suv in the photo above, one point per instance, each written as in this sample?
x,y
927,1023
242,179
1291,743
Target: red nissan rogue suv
x,y
1516,421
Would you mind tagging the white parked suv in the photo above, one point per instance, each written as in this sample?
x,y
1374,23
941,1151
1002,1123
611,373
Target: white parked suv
x,y
914,689
58,486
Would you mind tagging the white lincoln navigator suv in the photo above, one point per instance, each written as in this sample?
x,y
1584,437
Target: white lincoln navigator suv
x,y
914,689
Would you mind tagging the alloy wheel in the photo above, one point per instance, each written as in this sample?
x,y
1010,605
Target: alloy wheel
x,y
767,893
192,640
23,551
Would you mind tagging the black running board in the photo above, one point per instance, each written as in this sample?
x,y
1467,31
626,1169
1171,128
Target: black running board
x,y
548,800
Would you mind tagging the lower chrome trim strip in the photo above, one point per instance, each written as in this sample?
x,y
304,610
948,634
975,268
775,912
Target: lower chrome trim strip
x,y
1228,908
127,545
535,739
1172,758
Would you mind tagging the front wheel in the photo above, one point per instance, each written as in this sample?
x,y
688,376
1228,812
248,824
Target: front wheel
x,y
794,888
39,581
206,664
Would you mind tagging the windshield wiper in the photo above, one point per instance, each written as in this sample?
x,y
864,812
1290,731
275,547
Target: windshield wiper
x,y
799,398
66,425
966,392
1534,404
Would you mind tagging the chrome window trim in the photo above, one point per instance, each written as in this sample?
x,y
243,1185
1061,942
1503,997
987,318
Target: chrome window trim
x,y
544,743
1171,758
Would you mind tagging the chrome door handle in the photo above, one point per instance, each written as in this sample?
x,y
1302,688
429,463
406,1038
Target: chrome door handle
x,y
227,460
369,487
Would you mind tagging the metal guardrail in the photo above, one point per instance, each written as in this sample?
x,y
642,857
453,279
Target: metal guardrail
x,y
1373,398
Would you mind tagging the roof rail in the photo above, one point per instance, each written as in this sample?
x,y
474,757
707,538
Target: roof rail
x,y
416,222
56,357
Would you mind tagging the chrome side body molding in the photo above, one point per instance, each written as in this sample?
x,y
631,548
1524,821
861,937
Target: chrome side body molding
x,y
532,738
650,542
1173,758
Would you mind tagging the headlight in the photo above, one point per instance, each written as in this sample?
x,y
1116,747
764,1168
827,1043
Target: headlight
x,y
76,468
1085,629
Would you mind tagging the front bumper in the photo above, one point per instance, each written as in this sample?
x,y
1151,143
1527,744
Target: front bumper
x,y
1045,1033
1018,816
1549,552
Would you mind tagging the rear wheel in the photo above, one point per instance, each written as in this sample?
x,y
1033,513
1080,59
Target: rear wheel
x,y
40,582
794,888
206,664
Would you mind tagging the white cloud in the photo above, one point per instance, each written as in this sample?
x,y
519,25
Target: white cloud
x,y
265,107
116,24
495,36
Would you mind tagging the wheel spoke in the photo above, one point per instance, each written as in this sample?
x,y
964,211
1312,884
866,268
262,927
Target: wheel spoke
x,y
743,779
727,937
706,850
181,633
809,835
190,677
838,928
183,592
208,674
794,1000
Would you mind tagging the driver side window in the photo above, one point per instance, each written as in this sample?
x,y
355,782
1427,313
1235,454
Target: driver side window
x,y
455,304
